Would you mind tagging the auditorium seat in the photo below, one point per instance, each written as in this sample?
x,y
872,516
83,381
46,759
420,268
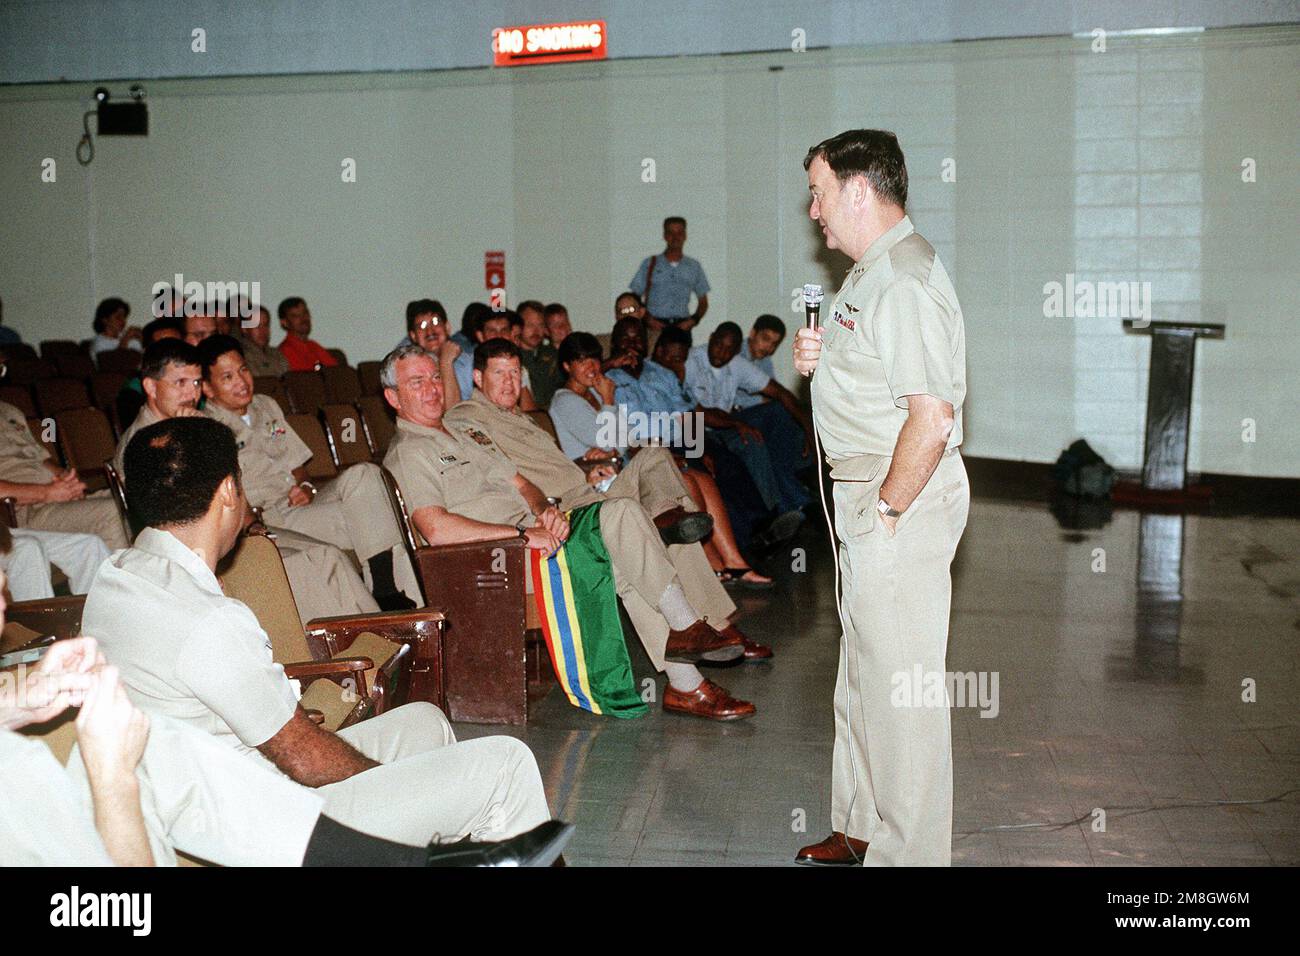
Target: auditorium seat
x,y
492,626
104,387
339,356
28,371
254,573
321,466
368,373
273,386
346,433
53,347
46,435
306,391
125,361
377,418
341,384
54,395
87,441
74,365
20,397
19,351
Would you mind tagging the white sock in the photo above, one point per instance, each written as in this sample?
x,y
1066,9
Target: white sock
x,y
683,677
677,611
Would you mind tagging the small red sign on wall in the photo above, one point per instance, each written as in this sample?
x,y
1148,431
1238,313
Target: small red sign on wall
x,y
549,43
494,269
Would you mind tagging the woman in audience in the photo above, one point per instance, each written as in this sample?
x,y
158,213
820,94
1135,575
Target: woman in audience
x,y
586,422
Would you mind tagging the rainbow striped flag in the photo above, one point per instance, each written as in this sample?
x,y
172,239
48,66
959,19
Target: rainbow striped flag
x,y
576,600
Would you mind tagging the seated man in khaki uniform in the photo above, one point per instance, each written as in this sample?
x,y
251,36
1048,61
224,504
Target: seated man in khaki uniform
x,y
650,477
325,583
261,356
136,789
50,498
188,652
461,487
350,512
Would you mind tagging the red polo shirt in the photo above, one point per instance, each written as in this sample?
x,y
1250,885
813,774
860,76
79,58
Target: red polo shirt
x,y
303,354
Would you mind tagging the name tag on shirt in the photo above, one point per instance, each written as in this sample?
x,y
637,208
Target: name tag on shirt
x,y
447,459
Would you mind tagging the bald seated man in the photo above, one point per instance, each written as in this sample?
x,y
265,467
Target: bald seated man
x,y
188,652
461,487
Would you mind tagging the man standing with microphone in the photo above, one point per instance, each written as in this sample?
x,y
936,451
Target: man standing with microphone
x,y
890,380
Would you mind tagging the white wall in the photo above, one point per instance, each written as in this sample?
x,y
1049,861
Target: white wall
x,y
1123,164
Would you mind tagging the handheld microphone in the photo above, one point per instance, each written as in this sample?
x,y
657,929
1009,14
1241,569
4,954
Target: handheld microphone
x,y
812,303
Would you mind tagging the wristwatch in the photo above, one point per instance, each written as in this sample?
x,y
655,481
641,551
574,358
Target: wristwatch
x,y
522,529
883,507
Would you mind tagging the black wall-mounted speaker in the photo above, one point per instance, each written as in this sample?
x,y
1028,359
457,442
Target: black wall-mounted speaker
x,y
123,119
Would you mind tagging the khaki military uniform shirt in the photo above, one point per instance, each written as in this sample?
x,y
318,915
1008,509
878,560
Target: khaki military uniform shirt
x,y
186,650
532,450
263,361
463,473
22,457
143,419
895,329
269,450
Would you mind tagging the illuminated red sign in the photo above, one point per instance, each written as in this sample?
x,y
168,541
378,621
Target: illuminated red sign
x,y
549,43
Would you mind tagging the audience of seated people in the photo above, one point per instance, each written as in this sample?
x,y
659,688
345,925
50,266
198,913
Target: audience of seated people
x,y
325,582
588,411
714,373
350,512
461,484
472,466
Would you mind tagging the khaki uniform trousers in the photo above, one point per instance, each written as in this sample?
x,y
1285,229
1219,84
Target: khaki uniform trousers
x,y
431,787
651,477
892,765
350,512
643,569
324,580
94,514
203,797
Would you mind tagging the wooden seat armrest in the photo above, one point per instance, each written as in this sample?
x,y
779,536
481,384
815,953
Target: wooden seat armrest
x,y
10,506
340,668
60,616
327,636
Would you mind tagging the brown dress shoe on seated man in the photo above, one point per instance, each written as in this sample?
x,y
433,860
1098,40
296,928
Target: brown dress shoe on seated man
x,y
708,701
836,850
690,645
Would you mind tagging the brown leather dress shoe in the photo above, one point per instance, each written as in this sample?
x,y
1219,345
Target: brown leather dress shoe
x,y
708,701
679,526
688,646
836,850
754,651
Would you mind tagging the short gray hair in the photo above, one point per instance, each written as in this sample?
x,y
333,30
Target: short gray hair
x,y
388,371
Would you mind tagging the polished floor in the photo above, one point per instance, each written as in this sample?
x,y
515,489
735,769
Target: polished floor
x,y
1122,653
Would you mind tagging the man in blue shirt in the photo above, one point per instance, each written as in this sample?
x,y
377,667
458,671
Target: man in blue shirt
x,y
715,374
665,282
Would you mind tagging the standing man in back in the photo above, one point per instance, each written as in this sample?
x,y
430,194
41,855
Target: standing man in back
x,y
665,282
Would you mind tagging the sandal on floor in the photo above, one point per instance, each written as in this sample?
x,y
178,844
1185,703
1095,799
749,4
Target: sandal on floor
x,y
736,576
